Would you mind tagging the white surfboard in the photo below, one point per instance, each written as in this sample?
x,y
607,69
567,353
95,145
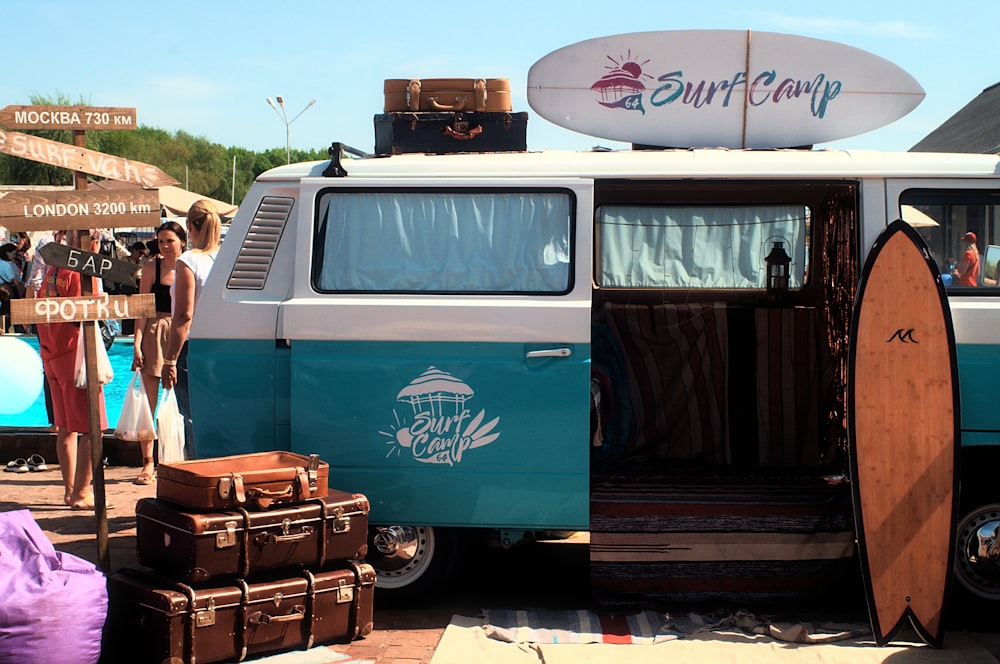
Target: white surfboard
x,y
719,88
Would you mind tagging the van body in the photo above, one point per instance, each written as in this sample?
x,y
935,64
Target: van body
x,y
588,341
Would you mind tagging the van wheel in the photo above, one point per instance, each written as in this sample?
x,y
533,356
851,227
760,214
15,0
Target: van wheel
x,y
977,556
410,560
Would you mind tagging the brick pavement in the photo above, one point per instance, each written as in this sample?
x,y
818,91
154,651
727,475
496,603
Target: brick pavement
x,y
400,636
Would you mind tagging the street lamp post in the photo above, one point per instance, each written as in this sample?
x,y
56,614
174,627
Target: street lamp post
x,y
288,123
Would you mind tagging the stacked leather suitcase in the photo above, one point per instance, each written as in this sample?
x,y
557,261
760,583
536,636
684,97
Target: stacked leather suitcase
x,y
446,115
251,554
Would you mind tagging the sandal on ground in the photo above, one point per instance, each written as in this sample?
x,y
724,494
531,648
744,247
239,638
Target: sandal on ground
x,y
16,466
36,463
87,504
145,478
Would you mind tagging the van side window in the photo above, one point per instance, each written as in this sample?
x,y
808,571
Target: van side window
x,y
444,241
962,230
698,247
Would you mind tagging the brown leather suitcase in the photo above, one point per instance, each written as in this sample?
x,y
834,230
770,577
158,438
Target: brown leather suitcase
x,y
257,480
447,94
154,619
197,546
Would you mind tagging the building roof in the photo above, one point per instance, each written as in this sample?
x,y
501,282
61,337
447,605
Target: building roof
x,y
975,128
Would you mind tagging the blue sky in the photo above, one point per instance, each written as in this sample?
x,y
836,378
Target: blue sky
x,y
207,67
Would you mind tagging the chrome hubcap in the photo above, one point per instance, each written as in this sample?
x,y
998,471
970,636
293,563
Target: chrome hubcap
x,y
398,546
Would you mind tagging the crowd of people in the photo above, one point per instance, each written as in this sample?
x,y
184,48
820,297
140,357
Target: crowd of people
x,y
174,270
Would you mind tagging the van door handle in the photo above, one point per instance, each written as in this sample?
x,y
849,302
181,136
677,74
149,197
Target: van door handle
x,y
549,352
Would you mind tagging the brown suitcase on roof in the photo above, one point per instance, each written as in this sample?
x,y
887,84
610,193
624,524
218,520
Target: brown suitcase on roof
x,y
447,94
197,546
256,480
155,619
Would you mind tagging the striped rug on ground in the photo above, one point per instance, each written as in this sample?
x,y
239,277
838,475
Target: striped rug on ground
x,y
519,626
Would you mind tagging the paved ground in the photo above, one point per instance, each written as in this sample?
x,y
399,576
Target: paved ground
x,y
400,636
544,576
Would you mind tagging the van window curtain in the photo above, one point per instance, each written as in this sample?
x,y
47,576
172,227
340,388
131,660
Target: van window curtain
x,y
698,247
450,242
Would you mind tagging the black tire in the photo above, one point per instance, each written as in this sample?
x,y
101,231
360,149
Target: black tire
x,y
977,554
411,561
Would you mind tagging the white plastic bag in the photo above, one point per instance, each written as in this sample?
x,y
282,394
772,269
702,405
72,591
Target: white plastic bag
x,y
136,419
105,374
169,429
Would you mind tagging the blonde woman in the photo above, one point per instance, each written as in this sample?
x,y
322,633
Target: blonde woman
x,y
151,333
193,268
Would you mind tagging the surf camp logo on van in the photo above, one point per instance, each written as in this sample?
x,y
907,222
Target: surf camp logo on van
x,y
625,85
438,427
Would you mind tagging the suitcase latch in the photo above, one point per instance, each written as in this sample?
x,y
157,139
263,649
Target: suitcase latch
x,y
230,485
226,539
313,472
206,617
341,525
345,593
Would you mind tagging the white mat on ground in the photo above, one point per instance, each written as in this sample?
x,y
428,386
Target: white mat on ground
x,y
466,640
649,627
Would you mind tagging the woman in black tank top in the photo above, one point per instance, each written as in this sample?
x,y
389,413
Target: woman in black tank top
x,y
160,290
151,333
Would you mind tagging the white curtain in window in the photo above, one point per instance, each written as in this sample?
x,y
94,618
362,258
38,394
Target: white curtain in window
x,y
697,247
445,242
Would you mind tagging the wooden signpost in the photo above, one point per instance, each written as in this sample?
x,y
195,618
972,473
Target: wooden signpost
x,y
78,210
67,117
90,264
81,159
83,308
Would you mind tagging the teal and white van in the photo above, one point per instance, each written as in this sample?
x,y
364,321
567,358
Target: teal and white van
x,y
650,345
486,341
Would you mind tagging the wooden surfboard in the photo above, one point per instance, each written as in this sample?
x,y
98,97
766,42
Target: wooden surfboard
x,y
904,430
719,88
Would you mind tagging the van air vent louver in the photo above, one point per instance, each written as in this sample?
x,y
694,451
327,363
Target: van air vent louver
x,y
257,250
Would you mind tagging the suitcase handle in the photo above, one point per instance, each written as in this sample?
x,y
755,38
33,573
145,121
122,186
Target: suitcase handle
x,y
260,618
263,498
459,104
285,536
451,132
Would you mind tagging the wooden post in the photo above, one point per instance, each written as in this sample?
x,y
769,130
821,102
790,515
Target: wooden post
x,y
93,393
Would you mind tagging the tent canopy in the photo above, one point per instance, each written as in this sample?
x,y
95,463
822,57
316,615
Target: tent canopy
x,y
175,200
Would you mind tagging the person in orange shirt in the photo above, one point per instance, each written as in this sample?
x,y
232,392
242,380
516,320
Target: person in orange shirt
x,y
70,408
967,271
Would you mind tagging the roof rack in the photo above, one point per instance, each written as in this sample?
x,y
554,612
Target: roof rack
x,y
336,151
